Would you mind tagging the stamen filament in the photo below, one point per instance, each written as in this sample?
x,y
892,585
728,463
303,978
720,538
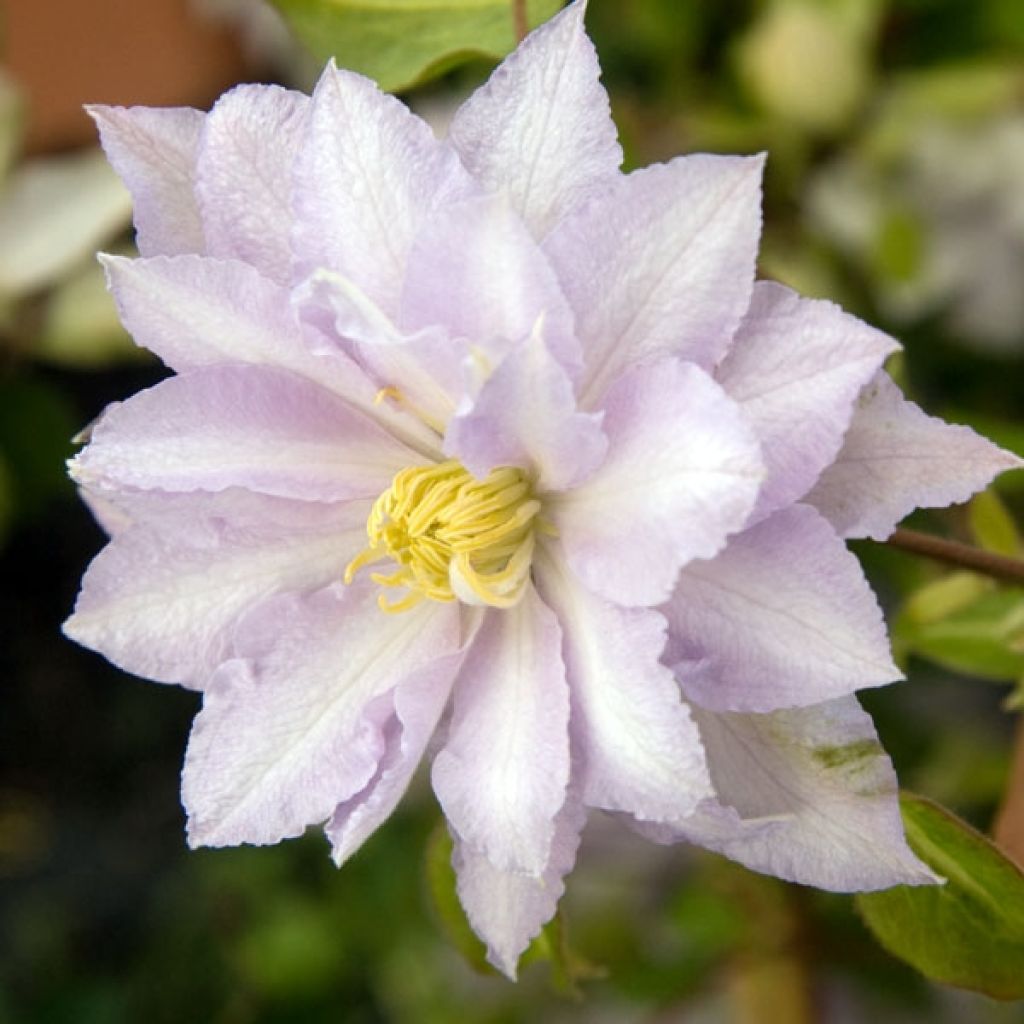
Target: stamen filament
x,y
442,527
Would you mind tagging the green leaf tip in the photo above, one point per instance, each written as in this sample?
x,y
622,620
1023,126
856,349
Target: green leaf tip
x,y
968,933
403,43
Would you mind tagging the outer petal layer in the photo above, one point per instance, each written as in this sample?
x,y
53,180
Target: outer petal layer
x,y
506,909
823,773
242,426
413,709
541,129
161,598
637,746
895,458
154,152
796,368
294,729
783,617
661,264
193,312
682,473
244,176
369,173
502,774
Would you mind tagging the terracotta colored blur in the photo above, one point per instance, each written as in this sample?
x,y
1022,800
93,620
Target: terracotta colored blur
x,y
64,53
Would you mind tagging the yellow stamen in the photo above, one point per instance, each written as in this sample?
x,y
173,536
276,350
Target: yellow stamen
x,y
445,530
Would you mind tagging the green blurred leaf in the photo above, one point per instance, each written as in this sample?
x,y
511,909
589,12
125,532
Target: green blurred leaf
x,y
981,639
402,43
968,932
6,499
81,328
806,63
899,245
54,212
441,881
36,426
945,597
568,968
992,524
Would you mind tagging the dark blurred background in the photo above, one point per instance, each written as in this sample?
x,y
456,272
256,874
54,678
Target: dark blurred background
x,y
895,186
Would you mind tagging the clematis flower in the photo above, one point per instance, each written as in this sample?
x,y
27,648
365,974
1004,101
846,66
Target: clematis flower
x,y
482,447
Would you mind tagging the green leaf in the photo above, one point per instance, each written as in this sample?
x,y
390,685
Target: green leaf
x,y
81,328
36,425
985,638
568,968
402,43
441,882
992,525
968,932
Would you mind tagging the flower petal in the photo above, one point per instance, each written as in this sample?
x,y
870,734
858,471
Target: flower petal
x,y
195,312
368,174
293,727
895,458
244,175
822,772
241,426
525,415
154,151
541,128
502,774
161,598
507,909
682,473
425,371
782,617
474,269
796,368
415,707
637,746
662,264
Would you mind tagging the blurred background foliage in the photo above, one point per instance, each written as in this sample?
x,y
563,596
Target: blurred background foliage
x,y
895,185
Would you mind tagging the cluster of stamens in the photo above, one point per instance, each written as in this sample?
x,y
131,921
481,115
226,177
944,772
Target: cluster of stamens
x,y
452,536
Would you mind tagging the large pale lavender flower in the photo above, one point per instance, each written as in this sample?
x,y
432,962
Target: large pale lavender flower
x,y
484,446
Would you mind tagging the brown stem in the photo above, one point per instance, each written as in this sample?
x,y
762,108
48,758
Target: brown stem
x,y
1009,826
963,556
519,21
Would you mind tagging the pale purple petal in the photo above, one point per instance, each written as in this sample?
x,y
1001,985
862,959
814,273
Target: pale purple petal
x,y
501,777
474,269
195,312
161,598
682,473
244,176
154,152
292,726
541,129
241,426
369,173
525,415
425,371
413,710
822,774
796,368
896,458
660,265
636,744
508,909
782,617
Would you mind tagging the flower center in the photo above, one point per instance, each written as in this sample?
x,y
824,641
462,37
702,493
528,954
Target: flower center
x,y
452,536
